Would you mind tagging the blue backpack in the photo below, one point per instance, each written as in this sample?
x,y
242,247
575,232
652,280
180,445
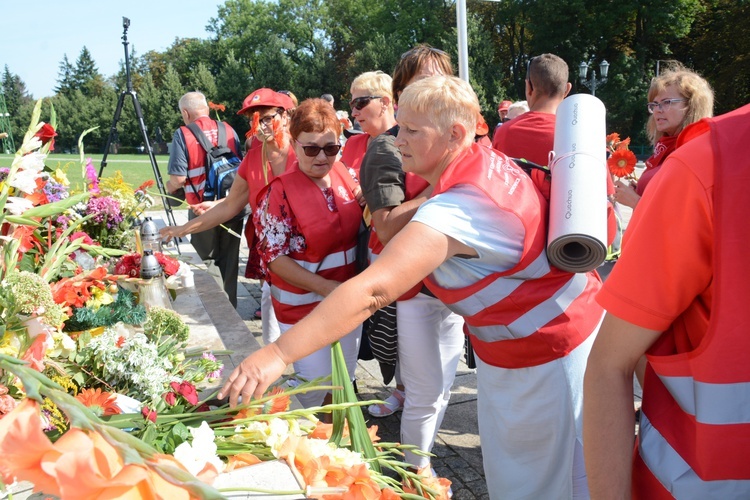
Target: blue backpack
x,y
221,163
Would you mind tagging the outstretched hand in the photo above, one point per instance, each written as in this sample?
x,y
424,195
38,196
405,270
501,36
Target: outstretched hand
x,y
169,232
256,372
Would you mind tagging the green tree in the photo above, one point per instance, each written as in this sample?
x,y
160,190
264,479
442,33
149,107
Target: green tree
x,y
86,76
203,81
19,104
719,49
65,80
171,91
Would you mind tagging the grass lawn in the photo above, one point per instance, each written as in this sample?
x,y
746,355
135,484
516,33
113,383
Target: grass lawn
x,y
135,169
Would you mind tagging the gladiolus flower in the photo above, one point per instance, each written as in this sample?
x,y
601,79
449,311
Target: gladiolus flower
x,y
621,163
241,460
24,425
47,134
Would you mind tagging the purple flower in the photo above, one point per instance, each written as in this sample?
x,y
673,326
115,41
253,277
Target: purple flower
x,y
4,173
106,210
55,191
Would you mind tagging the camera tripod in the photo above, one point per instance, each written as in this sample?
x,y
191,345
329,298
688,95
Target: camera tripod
x,y
141,124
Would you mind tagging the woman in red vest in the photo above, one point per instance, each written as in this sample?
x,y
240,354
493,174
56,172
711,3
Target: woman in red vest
x,y
307,222
479,245
676,98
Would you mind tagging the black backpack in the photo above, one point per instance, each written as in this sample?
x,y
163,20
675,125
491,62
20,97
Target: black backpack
x,y
221,163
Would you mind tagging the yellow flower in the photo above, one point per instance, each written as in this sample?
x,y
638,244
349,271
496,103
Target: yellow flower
x,y
61,177
98,298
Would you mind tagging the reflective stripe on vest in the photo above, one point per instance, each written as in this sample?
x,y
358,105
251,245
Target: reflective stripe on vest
x,y
500,289
715,404
336,259
535,318
674,474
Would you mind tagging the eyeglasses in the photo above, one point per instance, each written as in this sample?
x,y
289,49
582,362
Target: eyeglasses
x,y
664,105
313,151
268,120
361,102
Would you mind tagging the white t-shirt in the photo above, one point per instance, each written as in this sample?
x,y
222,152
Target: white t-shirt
x,y
470,217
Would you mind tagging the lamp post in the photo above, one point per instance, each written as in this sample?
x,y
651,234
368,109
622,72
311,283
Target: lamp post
x,y
593,82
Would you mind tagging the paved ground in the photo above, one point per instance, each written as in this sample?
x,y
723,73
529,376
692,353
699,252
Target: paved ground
x,y
457,447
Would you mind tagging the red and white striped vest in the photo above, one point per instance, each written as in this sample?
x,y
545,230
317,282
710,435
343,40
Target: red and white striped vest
x,y
694,439
330,237
530,314
197,156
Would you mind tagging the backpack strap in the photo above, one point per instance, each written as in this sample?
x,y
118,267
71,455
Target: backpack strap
x,y
201,137
205,144
221,134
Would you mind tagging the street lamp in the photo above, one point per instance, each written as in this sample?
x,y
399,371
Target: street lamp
x,y
593,82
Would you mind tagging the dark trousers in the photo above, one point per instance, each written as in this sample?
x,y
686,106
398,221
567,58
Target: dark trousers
x,y
220,250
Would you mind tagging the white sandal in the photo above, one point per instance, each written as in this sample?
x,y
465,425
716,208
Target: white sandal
x,y
394,403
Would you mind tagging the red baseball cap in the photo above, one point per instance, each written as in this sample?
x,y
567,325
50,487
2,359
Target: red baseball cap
x,y
265,97
504,106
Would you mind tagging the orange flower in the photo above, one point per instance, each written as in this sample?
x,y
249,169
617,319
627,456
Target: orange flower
x,y
24,425
241,460
101,403
278,404
28,240
217,107
624,144
439,485
146,185
254,127
621,163
35,353
612,140
389,494
90,467
325,431
363,486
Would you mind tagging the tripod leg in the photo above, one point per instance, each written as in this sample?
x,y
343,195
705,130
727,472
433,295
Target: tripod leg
x,y
152,158
112,131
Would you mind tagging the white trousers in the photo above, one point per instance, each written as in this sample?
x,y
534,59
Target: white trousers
x,y
530,427
430,343
270,330
318,364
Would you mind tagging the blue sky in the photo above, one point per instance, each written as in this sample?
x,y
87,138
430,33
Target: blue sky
x,y
35,37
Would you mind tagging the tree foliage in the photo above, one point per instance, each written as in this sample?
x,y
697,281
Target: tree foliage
x,y
313,46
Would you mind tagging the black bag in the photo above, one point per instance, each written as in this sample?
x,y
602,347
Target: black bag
x,y
221,163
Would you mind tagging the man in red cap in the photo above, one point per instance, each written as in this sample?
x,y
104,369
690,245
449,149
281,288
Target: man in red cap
x,y
502,110
187,170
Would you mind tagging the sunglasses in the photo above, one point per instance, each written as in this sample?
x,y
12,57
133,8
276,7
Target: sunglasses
x,y
361,102
528,71
313,151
